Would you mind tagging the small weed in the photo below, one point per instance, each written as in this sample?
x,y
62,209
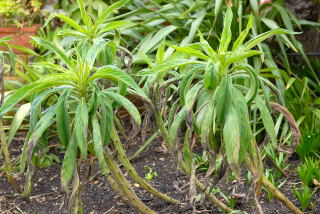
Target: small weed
x,y
150,175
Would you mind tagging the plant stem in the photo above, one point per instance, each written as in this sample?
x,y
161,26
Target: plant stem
x,y
274,191
133,173
75,203
7,164
124,185
147,143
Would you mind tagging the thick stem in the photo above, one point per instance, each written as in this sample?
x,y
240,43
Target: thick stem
x,y
116,188
274,191
147,143
120,127
124,185
133,173
75,203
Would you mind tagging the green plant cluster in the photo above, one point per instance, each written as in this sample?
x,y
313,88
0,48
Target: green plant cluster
x,y
205,71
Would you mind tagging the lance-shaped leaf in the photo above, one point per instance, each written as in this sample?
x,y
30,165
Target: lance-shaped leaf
x,y
113,73
62,118
231,138
190,51
67,20
115,25
267,120
98,45
81,126
22,93
84,15
260,38
53,48
226,32
20,115
168,66
33,137
179,118
69,162
109,10
98,143
125,103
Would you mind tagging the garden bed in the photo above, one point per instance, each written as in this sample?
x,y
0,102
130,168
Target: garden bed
x,y
98,197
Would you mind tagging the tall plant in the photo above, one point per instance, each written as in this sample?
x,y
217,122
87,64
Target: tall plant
x,y
219,96
82,112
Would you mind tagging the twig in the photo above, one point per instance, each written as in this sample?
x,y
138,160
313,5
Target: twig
x,y
276,165
18,209
109,210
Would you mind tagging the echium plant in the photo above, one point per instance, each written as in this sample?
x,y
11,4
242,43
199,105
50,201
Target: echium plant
x,y
81,111
103,33
217,97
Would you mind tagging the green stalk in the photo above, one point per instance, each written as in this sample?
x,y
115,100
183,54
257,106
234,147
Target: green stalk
x,y
75,203
124,185
8,164
133,173
147,143
116,188
274,191
120,127
254,164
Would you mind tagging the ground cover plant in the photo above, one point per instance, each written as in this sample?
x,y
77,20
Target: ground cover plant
x,y
203,74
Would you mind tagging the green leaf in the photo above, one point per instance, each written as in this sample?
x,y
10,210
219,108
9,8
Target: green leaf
x,y
267,120
81,127
273,25
33,137
167,66
158,37
231,138
226,32
125,103
69,163
54,49
84,15
20,115
179,118
106,122
115,25
62,118
67,20
243,34
98,143
115,74
223,98
22,93
190,51
242,55
110,9
261,37
192,96
98,45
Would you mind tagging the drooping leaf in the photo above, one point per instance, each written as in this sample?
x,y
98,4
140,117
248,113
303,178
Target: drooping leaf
x,y
98,143
125,103
81,126
62,119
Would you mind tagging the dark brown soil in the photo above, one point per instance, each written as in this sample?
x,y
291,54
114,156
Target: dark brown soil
x,y
98,197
